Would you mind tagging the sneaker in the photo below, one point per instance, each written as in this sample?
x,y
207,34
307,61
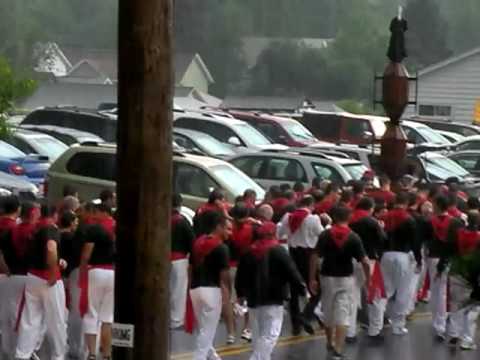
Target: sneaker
x,y
337,356
330,348
468,346
379,338
306,325
351,339
453,342
400,331
230,339
36,357
247,335
440,337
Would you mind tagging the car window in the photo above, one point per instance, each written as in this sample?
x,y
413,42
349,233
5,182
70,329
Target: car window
x,y
356,128
285,170
9,151
412,136
93,165
356,171
468,162
250,165
298,131
50,146
185,142
250,134
183,184
21,145
469,145
467,131
188,123
238,181
271,131
328,173
323,126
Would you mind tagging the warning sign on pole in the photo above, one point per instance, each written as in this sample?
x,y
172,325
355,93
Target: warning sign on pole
x,y
122,335
476,113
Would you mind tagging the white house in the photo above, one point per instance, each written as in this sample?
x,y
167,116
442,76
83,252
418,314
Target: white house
x,y
450,89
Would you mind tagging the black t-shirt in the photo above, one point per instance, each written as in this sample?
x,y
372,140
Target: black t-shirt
x,y
337,261
372,235
182,236
67,250
207,273
104,250
38,249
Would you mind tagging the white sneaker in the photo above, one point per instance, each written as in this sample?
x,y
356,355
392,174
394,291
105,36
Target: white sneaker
x,y
400,331
468,345
231,339
247,335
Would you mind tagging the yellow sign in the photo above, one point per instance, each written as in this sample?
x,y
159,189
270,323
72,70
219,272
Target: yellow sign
x,y
476,113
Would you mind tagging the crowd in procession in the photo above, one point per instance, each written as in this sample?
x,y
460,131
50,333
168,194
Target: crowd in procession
x,y
57,277
328,251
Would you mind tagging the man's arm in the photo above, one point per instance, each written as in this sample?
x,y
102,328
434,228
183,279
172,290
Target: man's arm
x,y
366,269
52,261
313,273
3,265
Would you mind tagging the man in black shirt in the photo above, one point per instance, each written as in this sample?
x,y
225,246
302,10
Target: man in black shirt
x,y
182,238
209,282
97,279
338,246
263,276
44,304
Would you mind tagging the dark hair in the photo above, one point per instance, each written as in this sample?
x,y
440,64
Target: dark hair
x,y
412,199
275,191
106,195
318,195
48,211
239,211
441,202
347,196
285,187
451,181
379,206
340,214
473,203
384,180
401,198
103,208
212,219
298,187
332,187
289,194
365,203
306,201
177,200
473,220
358,187
27,208
69,190
316,181
10,204
452,199
67,219
215,195
249,193
434,191
238,199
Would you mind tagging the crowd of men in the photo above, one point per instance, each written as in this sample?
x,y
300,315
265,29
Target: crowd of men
x,y
328,251
57,278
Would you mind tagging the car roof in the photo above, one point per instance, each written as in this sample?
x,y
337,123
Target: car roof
x,y
60,130
205,116
414,124
71,109
261,115
470,138
30,133
191,133
297,154
465,152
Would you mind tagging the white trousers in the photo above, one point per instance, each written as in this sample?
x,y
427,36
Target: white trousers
x,y
75,333
100,300
207,306
178,292
462,319
358,281
376,311
44,310
397,277
413,284
438,296
267,328
12,293
337,300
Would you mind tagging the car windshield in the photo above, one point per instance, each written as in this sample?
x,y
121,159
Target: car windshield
x,y
297,131
251,135
50,147
213,146
9,151
237,181
443,168
379,127
432,136
356,171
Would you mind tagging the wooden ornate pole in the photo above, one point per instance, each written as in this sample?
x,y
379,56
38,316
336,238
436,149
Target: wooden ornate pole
x,y
395,99
144,175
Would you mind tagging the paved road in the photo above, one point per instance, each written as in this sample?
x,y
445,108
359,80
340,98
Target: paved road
x,y
417,345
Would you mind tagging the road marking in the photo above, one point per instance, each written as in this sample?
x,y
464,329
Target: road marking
x,y
282,342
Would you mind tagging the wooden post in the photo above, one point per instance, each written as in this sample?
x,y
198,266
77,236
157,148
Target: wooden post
x,y
144,175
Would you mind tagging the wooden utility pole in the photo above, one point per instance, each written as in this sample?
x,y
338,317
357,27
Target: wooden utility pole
x,y
144,175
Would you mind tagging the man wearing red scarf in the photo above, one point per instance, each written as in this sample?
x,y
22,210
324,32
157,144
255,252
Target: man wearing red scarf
x,y
332,196
182,238
210,280
384,194
263,276
216,203
373,239
301,229
396,263
338,247
441,223
463,244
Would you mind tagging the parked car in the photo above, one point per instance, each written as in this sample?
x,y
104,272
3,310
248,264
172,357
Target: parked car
x,y
469,143
281,130
448,125
343,127
365,155
451,136
66,135
14,185
92,168
468,159
418,133
32,168
100,123
226,129
278,167
31,142
201,143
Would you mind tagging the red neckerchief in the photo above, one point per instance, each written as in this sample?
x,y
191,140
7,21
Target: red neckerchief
x,y
325,205
358,215
176,218
440,225
208,207
454,212
299,195
462,195
296,219
44,222
384,195
203,246
7,223
395,218
279,204
339,234
467,241
21,237
261,247
108,223
242,236
250,204
355,201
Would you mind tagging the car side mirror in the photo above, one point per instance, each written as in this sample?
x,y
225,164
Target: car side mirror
x,y
235,141
367,136
282,139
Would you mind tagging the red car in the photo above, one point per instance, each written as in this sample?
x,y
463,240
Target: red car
x,y
281,130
